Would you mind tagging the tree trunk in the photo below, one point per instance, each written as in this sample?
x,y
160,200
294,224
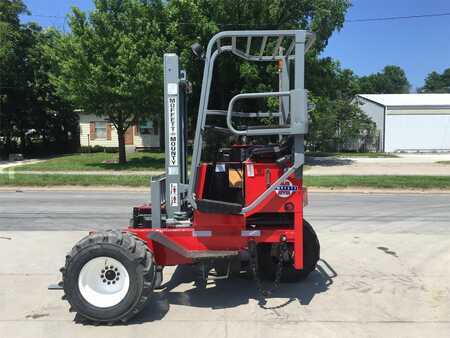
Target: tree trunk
x,y
121,139
23,141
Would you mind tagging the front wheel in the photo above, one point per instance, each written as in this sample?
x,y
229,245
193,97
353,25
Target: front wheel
x,y
268,261
108,276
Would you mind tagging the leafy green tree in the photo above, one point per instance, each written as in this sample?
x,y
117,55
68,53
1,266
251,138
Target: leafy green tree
x,y
392,80
437,83
32,117
198,20
52,117
10,41
331,88
111,63
336,123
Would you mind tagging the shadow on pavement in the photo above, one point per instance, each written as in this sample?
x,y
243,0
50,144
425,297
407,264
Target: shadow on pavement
x,y
222,294
327,161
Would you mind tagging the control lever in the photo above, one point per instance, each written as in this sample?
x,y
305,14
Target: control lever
x,y
284,162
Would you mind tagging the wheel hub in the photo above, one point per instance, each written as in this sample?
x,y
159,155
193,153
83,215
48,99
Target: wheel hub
x,y
110,275
103,282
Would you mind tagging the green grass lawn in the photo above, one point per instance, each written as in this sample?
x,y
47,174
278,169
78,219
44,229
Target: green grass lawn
x,y
350,154
136,161
443,162
98,161
390,182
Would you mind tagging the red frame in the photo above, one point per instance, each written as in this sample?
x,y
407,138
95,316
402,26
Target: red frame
x,y
226,230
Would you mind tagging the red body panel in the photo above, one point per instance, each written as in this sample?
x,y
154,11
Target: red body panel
x,y
264,174
224,231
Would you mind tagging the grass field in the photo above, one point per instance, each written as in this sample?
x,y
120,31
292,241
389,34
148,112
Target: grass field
x,y
98,161
443,162
388,182
151,161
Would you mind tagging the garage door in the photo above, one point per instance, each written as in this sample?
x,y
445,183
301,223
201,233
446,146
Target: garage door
x,y
417,132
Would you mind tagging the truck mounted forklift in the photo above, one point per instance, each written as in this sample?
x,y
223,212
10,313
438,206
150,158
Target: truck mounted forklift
x,y
240,210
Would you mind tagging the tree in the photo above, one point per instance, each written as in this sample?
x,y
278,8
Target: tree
x,y
33,118
392,80
198,20
111,63
11,35
336,123
331,88
52,115
437,83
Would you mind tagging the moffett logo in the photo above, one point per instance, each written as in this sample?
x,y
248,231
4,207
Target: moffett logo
x,y
286,189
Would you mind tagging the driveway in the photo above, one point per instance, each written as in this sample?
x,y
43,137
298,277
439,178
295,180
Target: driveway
x,y
384,273
405,164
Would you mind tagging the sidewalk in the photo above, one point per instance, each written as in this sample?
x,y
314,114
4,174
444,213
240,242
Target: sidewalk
x,y
357,290
404,165
96,172
10,164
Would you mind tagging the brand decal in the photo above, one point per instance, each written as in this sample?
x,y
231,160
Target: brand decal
x,y
285,189
173,130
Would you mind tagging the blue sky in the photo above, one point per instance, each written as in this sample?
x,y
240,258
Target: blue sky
x,y
419,45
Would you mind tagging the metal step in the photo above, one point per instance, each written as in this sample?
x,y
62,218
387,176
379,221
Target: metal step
x,y
195,255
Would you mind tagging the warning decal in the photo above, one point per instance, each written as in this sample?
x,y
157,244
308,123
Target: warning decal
x,y
173,194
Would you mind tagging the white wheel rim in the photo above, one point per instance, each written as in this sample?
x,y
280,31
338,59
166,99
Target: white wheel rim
x,y
103,282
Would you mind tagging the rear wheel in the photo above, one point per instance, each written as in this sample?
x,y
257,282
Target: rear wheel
x,y
108,276
225,266
268,258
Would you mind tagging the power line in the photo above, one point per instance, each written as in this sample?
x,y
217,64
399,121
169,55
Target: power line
x,y
392,18
46,16
388,18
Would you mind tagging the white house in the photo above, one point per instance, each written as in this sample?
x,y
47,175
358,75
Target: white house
x,y
409,122
96,130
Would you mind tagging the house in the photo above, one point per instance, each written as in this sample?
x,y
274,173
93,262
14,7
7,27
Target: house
x,y
409,122
98,131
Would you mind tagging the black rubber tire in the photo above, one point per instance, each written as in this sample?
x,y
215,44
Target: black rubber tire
x,y
129,250
267,264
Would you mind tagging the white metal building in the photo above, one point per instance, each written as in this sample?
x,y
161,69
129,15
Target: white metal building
x,y
409,122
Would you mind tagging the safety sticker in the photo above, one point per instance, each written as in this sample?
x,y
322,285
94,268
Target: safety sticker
x,y
173,194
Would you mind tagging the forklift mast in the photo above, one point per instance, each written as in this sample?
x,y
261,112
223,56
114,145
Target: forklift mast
x,y
287,48
170,188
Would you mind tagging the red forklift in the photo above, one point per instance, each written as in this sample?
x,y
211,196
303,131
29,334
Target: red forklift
x,y
240,210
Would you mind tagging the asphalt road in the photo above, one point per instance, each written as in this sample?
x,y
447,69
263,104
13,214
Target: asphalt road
x,y
384,272
338,212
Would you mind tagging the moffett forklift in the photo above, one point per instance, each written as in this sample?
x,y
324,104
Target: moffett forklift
x,y
240,211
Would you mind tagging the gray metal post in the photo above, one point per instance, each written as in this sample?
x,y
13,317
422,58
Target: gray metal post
x,y
284,86
299,83
173,134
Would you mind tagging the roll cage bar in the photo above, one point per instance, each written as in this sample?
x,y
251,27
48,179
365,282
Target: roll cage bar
x,y
293,118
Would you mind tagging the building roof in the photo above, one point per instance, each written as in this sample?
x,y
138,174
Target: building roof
x,y
409,100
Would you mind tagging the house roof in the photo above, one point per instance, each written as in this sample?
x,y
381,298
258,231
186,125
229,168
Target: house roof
x,y
409,100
